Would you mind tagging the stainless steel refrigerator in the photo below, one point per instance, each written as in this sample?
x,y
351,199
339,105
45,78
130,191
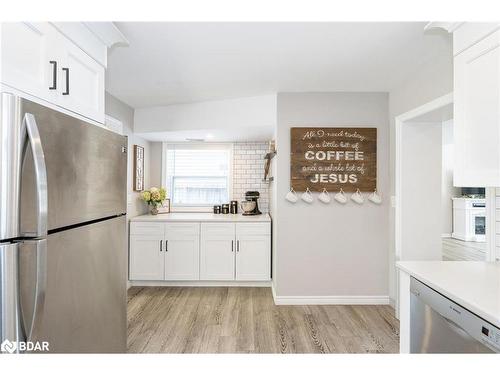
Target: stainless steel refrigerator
x,y
63,249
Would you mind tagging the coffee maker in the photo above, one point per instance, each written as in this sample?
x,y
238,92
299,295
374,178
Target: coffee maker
x,y
253,196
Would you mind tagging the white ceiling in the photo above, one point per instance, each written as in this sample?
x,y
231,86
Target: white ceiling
x,y
169,63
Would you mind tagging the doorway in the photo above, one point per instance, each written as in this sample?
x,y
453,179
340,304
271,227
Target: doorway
x,y
425,207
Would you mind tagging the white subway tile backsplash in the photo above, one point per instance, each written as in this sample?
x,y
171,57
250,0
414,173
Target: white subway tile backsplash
x,y
248,171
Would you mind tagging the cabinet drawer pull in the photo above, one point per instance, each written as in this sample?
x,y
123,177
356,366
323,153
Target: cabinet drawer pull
x,y
54,75
66,70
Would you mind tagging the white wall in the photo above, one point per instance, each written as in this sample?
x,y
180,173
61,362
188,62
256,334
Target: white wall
x,y
121,111
331,250
448,191
421,191
240,113
155,164
432,80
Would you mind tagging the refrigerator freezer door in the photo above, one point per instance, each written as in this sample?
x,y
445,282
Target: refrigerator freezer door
x,y
85,298
86,170
8,292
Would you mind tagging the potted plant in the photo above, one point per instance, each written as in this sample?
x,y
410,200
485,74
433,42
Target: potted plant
x,y
154,197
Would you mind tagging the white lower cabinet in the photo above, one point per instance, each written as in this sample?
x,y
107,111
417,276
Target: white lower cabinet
x,y
164,251
235,251
146,258
217,251
205,251
182,251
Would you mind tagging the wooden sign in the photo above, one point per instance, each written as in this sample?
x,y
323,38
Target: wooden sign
x,y
333,158
138,168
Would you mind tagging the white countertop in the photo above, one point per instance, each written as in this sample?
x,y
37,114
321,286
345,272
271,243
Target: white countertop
x,y
204,216
473,285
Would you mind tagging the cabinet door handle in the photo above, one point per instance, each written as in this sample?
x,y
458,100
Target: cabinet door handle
x,y
66,70
238,246
232,245
166,245
54,75
161,241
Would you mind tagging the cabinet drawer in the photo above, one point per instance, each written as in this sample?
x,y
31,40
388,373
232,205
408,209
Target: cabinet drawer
x,y
147,229
181,230
217,230
253,229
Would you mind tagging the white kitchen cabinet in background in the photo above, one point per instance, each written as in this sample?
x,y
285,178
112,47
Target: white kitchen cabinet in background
x,y
217,251
211,251
182,251
147,261
477,106
235,251
164,251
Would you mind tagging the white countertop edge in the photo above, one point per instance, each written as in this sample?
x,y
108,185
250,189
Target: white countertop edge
x,y
478,310
203,217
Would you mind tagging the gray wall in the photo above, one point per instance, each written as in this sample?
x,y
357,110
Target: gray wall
x,y
121,111
331,250
432,80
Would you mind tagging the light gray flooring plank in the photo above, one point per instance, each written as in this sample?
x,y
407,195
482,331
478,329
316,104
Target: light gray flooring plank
x,y
246,320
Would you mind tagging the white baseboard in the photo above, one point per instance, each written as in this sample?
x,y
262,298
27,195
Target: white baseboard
x,y
330,300
263,284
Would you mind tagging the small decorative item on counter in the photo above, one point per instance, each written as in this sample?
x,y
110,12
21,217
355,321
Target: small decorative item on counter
x,y
164,208
225,208
154,197
234,207
216,209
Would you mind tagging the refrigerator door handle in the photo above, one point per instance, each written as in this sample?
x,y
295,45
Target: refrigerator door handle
x,y
40,172
30,332
41,287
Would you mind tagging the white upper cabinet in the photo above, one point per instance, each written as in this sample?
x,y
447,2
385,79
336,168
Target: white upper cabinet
x,y
39,60
81,82
27,58
477,110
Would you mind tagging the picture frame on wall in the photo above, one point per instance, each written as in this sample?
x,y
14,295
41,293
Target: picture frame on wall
x,y
138,168
165,207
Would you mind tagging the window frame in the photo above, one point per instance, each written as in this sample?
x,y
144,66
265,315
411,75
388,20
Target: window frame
x,y
196,146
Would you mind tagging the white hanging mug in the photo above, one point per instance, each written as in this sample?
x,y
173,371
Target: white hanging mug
x,y
324,196
357,197
307,196
291,196
340,197
375,197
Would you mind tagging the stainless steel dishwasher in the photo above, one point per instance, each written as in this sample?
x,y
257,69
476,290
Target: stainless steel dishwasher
x,y
439,325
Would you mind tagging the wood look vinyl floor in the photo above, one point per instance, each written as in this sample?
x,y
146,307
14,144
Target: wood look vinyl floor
x,y
246,320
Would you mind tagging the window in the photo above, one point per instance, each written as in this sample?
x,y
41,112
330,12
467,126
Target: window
x,y
198,175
